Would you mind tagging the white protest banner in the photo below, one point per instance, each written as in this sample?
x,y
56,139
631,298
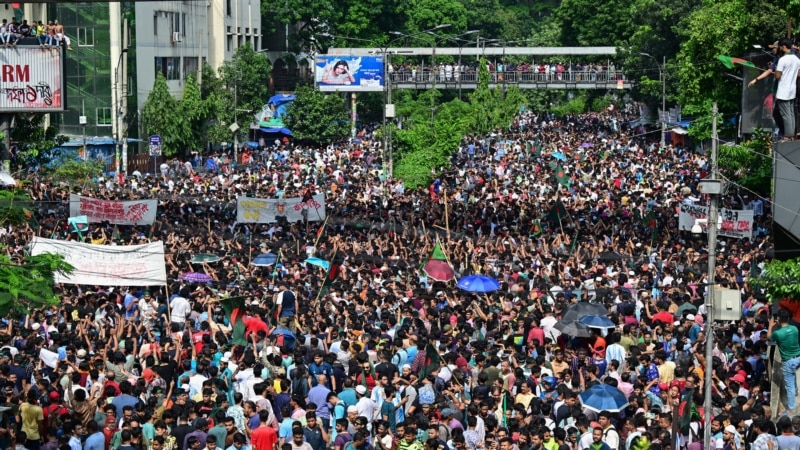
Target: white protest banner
x,y
736,223
107,265
129,212
266,210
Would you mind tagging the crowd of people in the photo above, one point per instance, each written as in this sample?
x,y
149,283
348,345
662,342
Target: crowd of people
x,y
449,72
381,356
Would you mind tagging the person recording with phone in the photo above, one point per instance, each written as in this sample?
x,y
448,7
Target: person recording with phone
x,y
786,338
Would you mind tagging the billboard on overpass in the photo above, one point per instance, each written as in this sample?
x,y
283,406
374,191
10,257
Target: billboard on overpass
x,y
362,73
32,79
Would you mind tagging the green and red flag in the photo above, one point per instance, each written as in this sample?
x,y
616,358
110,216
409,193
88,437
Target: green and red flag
x,y
650,221
332,274
234,310
536,229
730,62
557,212
561,177
432,361
437,254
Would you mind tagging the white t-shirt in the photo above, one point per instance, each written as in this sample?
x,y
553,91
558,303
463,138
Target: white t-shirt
x,y
788,66
180,309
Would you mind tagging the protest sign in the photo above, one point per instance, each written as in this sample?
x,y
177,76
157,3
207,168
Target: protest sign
x,y
132,212
264,210
107,265
736,223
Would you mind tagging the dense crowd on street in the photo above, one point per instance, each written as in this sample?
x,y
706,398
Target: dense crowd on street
x,y
386,358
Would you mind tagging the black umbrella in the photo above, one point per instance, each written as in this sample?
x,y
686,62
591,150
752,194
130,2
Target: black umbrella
x,y
611,256
573,329
577,310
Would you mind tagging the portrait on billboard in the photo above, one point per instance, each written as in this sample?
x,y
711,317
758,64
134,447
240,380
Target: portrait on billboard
x,y
362,73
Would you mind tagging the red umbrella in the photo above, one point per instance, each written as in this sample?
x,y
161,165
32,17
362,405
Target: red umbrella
x,y
439,270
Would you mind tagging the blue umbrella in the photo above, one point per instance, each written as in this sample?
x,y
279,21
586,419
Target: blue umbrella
x,y
603,397
264,260
478,284
314,261
558,155
587,144
596,321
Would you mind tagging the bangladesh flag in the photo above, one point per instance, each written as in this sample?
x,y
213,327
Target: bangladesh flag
x,y
332,275
687,411
536,229
557,212
650,221
79,223
234,311
432,361
730,62
561,177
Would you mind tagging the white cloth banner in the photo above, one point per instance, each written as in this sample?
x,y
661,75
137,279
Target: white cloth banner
x,y
266,210
107,265
736,223
129,212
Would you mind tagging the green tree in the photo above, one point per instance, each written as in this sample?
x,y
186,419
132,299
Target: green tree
x,y
750,163
162,116
316,117
726,27
76,171
426,14
195,110
35,142
245,79
592,23
493,108
26,283
780,280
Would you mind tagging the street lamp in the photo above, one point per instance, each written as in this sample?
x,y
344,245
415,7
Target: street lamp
x,y
460,43
117,113
663,95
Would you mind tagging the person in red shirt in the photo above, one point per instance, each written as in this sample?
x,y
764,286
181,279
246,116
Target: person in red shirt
x,y
264,437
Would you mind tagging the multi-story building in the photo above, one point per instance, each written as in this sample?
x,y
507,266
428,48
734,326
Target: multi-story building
x,y
119,47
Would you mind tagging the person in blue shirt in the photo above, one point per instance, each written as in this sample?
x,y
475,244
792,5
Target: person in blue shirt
x,y
96,440
320,367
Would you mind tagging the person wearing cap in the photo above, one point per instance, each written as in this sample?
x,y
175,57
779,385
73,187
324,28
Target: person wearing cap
x,y
786,338
364,405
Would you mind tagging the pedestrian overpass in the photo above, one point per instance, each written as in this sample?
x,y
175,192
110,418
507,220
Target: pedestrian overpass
x,y
430,73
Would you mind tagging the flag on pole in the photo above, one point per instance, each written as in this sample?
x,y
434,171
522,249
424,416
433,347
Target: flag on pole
x,y
234,311
332,274
432,361
730,61
437,254
275,266
561,176
536,230
79,224
557,212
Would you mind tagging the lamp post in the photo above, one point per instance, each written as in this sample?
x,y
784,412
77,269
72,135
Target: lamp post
x,y
663,95
460,43
117,113
388,106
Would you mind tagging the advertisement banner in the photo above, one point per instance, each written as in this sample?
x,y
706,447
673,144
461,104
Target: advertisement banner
x,y
31,79
107,265
132,212
349,73
736,223
267,210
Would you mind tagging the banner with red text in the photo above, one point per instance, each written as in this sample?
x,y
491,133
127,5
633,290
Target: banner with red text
x,y
107,265
130,212
267,210
32,79
736,223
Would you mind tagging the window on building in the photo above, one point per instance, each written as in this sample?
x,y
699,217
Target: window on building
x,y
228,8
155,23
190,66
230,43
169,67
177,23
85,37
103,117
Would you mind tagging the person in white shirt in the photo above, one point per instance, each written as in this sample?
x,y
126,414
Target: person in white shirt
x,y
365,406
786,73
180,309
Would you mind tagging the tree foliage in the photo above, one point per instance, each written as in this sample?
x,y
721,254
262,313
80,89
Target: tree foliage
x,y
749,163
162,116
78,171
29,283
592,23
245,82
35,142
779,280
317,117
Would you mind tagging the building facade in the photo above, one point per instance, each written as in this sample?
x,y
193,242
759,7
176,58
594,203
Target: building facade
x,y
118,48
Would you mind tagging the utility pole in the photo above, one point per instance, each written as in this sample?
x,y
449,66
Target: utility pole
x,y
712,263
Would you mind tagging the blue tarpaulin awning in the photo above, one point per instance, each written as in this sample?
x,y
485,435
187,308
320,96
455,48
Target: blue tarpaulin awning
x,y
276,131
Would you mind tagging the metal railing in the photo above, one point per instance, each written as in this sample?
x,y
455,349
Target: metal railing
x,y
510,76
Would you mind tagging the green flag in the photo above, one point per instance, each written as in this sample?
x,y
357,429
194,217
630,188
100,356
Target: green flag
x,y
277,261
650,221
561,177
234,311
730,62
536,229
557,212
79,224
437,254
332,274
432,361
